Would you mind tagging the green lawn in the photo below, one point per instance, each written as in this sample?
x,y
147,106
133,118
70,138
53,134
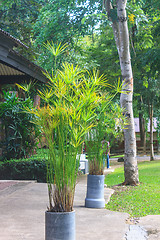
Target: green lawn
x,y
117,156
141,200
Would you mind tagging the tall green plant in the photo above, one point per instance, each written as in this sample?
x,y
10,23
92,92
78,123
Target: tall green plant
x,y
108,125
56,51
71,98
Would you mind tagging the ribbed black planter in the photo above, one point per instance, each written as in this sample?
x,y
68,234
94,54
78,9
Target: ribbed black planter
x,y
60,225
95,191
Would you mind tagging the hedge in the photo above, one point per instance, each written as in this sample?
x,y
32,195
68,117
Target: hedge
x,y
23,169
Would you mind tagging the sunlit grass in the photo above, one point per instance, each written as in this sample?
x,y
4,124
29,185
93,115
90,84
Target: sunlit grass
x,y
140,200
117,156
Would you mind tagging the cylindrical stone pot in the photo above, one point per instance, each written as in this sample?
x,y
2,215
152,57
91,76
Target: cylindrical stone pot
x,y
95,191
60,225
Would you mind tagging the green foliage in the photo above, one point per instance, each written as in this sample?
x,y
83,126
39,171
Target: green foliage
x,y
24,169
55,51
141,200
98,52
59,21
20,133
71,98
108,125
144,35
17,17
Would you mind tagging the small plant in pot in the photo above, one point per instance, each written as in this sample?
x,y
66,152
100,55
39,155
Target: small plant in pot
x,y
108,124
71,97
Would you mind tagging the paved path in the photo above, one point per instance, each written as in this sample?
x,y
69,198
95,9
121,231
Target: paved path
x,y
23,204
141,158
22,208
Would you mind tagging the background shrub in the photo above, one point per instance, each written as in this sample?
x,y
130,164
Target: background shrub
x,y
23,169
20,134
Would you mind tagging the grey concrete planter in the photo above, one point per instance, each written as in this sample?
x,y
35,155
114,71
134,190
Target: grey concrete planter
x,y
95,191
60,225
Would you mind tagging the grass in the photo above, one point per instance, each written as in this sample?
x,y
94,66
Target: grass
x,y
139,200
117,156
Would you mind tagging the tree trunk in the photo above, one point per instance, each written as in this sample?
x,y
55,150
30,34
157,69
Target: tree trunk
x,y
37,101
142,127
158,145
121,35
151,131
142,132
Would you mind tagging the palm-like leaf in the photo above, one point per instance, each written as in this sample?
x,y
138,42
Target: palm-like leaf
x,y
55,50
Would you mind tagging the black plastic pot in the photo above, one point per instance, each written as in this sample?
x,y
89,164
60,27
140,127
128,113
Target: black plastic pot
x,y
60,225
95,191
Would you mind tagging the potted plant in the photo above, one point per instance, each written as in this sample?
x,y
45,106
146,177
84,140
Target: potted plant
x,y
109,123
70,100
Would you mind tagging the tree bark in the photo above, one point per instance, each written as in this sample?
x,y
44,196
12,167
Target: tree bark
x,y
151,132
158,146
37,101
121,34
142,127
142,132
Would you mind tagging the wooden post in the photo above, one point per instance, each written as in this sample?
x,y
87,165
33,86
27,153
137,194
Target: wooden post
x,y
37,101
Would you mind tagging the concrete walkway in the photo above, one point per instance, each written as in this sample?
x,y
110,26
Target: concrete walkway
x,y
23,204
141,158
